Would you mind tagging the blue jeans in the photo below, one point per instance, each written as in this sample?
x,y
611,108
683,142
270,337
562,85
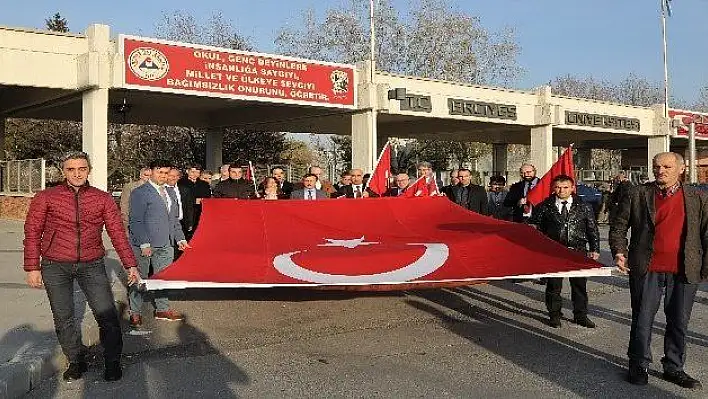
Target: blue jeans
x,y
646,292
92,278
160,258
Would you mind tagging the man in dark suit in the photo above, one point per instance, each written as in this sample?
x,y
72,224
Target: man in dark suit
x,y
235,186
469,196
516,198
667,256
495,198
185,200
357,189
308,190
563,217
285,186
402,183
454,180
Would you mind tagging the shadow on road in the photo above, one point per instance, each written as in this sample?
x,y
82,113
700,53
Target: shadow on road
x,y
659,328
578,368
191,368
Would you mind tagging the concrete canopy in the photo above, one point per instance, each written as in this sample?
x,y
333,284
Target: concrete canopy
x,y
85,78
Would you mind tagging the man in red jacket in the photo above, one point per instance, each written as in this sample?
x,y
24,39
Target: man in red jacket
x,y
63,243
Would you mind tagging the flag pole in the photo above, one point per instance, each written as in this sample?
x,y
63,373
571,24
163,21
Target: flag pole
x,y
253,178
666,65
372,77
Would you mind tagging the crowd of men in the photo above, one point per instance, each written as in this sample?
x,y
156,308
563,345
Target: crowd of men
x,y
667,255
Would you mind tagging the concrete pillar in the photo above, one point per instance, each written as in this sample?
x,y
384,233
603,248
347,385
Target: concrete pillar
x,y
214,150
583,158
364,141
542,148
95,67
499,158
2,139
364,124
94,139
656,145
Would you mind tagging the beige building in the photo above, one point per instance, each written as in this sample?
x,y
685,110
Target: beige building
x,y
86,77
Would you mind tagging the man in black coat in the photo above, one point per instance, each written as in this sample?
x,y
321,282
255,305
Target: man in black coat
x,y
285,186
667,256
235,186
469,196
185,201
563,217
454,180
516,198
402,183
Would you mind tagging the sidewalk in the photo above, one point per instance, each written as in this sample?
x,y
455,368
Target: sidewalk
x,y
29,351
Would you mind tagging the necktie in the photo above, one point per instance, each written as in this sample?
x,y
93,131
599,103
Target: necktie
x,y
564,211
357,192
163,194
309,195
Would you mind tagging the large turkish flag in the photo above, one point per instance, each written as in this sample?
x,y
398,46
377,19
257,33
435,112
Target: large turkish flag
x,y
363,243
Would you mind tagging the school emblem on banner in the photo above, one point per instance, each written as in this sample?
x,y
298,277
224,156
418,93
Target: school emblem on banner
x,y
340,82
148,63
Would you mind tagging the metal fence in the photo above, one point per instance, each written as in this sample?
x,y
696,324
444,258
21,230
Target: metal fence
x,y
22,176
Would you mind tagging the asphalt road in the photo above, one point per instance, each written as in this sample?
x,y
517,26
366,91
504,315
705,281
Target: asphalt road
x,y
479,341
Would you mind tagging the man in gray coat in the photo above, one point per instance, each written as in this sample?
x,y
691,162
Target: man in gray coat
x,y
667,256
309,192
154,229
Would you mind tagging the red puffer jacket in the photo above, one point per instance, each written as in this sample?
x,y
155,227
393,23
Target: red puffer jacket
x,y
65,225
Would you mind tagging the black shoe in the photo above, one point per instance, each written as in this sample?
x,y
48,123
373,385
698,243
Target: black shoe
x,y
584,322
554,322
75,371
682,379
638,375
113,372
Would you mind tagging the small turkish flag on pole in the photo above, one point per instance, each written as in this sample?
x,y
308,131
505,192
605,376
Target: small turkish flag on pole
x,y
378,182
418,189
542,189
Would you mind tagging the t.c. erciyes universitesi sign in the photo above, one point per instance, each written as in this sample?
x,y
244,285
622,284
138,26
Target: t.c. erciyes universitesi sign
x,y
603,121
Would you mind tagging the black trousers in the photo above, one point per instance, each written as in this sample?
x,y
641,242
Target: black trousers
x,y
646,292
59,284
578,293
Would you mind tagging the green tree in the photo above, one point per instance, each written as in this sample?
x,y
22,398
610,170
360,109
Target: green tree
x,y
57,23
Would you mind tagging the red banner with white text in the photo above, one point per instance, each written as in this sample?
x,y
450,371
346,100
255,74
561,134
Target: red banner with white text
x,y
152,64
363,242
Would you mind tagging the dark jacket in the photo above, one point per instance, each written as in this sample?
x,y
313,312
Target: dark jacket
x,y
64,225
495,205
393,192
348,191
230,188
516,192
472,198
637,212
186,194
579,232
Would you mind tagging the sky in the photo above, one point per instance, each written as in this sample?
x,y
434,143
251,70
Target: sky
x,y
605,39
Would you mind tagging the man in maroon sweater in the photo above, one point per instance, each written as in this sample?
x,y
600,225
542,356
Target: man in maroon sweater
x,y
63,243
667,256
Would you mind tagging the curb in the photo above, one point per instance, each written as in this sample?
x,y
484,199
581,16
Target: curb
x,y
34,364
28,369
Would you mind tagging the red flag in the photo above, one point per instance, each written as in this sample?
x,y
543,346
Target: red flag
x,y
397,245
542,189
378,182
418,189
